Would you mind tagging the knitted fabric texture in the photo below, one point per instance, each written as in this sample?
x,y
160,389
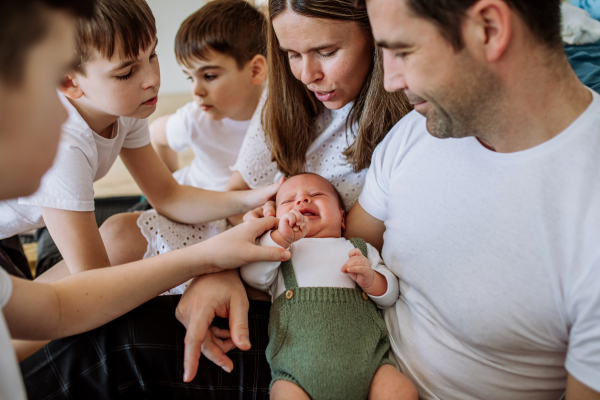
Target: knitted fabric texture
x,y
329,341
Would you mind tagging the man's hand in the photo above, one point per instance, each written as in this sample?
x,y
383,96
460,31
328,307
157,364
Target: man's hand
x,y
208,296
266,210
293,226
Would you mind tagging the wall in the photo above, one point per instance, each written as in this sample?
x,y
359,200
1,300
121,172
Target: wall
x,y
169,15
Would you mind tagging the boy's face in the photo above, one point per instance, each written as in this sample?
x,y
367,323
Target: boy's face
x,y
314,197
220,88
31,113
121,87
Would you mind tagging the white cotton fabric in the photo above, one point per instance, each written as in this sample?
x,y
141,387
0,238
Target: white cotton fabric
x,y
215,144
11,383
324,156
498,258
317,263
83,158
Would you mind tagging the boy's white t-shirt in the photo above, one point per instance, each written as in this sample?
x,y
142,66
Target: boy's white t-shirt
x,y
11,382
498,256
215,144
83,157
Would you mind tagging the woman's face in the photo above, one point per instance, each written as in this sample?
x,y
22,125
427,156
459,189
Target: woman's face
x,y
332,58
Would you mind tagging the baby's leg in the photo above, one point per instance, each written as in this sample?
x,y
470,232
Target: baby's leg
x,y
389,383
123,238
286,390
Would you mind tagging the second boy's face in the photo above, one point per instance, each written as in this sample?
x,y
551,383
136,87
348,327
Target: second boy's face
x,y
121,87
314,198
220,88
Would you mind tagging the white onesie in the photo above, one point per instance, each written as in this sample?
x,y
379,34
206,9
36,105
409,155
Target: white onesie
x,y
317,263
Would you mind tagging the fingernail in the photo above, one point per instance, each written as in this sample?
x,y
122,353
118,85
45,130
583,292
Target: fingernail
x,y
226,369
186,375
286,254
245,340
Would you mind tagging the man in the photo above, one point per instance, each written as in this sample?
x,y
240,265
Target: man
x,y
494,236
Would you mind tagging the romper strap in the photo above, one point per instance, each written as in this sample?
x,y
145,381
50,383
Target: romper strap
x,y
361,245
289,277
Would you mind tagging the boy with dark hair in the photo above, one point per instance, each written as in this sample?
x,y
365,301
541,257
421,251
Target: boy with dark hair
x,y
108,94
221,48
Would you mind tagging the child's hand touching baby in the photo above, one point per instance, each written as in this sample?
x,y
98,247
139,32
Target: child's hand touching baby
x,y
293,226
359,270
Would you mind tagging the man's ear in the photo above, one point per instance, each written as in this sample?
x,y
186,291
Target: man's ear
x,y
343,220
489,26
258,69
69,87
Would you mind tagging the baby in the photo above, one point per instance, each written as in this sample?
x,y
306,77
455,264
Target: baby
x,y
326,337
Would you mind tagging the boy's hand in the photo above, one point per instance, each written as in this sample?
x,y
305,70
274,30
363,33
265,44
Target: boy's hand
x,y
359,270
257,197
293,226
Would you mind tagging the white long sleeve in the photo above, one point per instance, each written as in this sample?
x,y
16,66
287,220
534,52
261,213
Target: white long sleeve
x,y
261,275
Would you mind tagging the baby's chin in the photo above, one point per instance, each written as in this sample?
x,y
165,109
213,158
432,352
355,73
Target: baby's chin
x,y
325,234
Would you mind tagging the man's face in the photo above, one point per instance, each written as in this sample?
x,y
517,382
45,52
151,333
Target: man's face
x,y
31,113
315,198
454,90
121,87
220,88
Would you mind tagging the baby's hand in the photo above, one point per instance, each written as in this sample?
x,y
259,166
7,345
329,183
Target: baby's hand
x,y
293,226
359,270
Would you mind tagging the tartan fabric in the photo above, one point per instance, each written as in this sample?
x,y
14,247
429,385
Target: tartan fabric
x,y
140,356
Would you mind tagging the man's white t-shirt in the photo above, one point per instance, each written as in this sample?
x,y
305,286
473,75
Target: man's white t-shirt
x,y
498,256
11,383
215,144
83,158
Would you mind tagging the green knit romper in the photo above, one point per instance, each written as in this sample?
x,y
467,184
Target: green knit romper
x,y
327,340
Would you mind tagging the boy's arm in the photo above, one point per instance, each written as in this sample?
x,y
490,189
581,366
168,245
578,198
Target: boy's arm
x,y
77,237
84,301
158,137
236,182
185,203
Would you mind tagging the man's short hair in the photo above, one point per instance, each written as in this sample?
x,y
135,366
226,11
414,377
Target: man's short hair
x,y
541,16
126,26
231,27
23,23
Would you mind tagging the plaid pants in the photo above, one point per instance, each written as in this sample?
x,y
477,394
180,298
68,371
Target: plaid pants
x,y
140,356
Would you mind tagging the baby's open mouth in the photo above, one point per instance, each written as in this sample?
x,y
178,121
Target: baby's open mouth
x,y
308,213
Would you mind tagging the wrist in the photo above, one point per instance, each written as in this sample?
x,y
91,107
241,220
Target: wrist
x,y
280,239
378,287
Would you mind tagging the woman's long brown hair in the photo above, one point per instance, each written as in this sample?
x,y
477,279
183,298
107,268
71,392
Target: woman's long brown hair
x,y
289,115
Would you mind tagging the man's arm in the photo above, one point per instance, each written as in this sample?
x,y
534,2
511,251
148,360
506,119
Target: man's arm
x,y
77,237
158,137
578,391
182,203
361,224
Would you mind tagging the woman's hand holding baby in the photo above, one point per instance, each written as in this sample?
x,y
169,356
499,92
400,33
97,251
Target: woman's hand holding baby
x,y
293,226
359,270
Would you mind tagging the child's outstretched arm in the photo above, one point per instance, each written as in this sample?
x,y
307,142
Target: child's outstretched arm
x,y
372,276
186,203
85,301
158,138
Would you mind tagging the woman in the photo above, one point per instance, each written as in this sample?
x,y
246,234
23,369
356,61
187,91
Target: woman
x,y
325,112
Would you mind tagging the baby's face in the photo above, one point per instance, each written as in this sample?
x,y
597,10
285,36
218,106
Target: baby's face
x,y
314,197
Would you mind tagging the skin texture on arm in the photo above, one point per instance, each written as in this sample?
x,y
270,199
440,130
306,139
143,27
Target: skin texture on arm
x,y
77,237
236,182
158,137
361,224
182,203
578,391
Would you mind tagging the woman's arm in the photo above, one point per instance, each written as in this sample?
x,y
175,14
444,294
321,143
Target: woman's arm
x,y
77,237
158,138
85,301
182,203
